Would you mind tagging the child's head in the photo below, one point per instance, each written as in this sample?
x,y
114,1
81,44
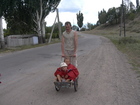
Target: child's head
x,y
63,65
67,60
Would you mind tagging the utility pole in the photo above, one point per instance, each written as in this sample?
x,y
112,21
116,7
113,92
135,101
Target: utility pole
x,y
52,31
122,24
59,26
124,19
121,21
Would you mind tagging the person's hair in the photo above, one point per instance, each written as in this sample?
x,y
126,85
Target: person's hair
x,y
66,58
66,23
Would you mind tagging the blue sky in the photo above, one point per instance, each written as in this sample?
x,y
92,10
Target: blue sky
x,y
90,8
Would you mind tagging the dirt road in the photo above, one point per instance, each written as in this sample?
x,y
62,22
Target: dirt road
x,y
105,78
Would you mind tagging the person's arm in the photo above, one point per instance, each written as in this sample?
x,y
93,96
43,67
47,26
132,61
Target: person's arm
x,y
75,42
62,46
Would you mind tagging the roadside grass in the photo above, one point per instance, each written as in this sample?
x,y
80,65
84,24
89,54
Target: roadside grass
x,y
19,48
129,45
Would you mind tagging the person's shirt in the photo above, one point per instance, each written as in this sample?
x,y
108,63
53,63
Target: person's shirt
x,y
69,40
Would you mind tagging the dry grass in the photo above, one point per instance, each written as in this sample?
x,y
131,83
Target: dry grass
x,y
129,45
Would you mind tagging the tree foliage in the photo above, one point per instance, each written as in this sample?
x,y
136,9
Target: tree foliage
x,y
80,19
27,16
102,16
19,20
39,10
4,5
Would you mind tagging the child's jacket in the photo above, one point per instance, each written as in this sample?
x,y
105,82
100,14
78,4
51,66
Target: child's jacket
x,y
72,72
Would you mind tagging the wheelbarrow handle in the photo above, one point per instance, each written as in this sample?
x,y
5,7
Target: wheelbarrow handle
x,y
68,56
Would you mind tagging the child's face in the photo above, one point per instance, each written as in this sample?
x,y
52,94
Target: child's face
x,y
67,61
64,68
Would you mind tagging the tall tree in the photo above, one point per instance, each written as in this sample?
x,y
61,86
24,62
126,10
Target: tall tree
x,y
113,15
1,35
19,20
6,6
80,19
27,15
3,6
102,16
132,7
39,10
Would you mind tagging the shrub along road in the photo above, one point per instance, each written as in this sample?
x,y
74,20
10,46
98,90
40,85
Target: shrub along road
x,y
105,77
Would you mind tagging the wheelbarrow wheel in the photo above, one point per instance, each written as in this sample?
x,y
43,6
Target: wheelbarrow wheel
x,y
76,84
57,86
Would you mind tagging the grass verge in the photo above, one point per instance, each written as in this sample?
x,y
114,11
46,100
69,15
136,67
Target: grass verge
x,y
131,47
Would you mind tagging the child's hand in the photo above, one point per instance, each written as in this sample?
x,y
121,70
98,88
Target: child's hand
x,y
66,76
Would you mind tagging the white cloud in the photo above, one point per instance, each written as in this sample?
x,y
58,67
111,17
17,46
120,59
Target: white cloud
x,y
70,6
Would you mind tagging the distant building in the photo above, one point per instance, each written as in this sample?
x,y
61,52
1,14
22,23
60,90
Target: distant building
x,y
20,40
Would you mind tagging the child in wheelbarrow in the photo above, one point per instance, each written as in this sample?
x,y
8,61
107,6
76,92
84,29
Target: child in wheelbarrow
x,y
66,72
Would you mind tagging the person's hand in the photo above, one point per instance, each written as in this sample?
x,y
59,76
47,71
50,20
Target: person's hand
x,y
74,55
63,55
66,76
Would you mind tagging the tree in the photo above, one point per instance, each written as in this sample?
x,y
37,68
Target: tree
x,y
80,19
1,35
102,17
19,20
112,15
28,16
39,10
90,26
4,5
56,28
132,7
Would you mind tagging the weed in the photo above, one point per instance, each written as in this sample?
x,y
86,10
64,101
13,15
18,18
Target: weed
x,y
131,47
127,40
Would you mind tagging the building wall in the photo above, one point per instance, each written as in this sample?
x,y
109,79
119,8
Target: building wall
x,y
20,40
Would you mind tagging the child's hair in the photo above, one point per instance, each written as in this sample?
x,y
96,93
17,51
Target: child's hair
x,y
66,58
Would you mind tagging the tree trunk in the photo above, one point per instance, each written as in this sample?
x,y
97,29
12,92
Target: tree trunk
x,y
43,30
39,28
2,42
39,33
39,23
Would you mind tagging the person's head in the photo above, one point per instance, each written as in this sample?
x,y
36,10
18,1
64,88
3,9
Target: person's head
x,y
67,60
63,66
68,26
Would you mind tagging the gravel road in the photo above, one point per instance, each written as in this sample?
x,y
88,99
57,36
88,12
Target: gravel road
x,y
106,77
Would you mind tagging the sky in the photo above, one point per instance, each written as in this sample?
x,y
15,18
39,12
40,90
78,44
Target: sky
x,y
69,8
